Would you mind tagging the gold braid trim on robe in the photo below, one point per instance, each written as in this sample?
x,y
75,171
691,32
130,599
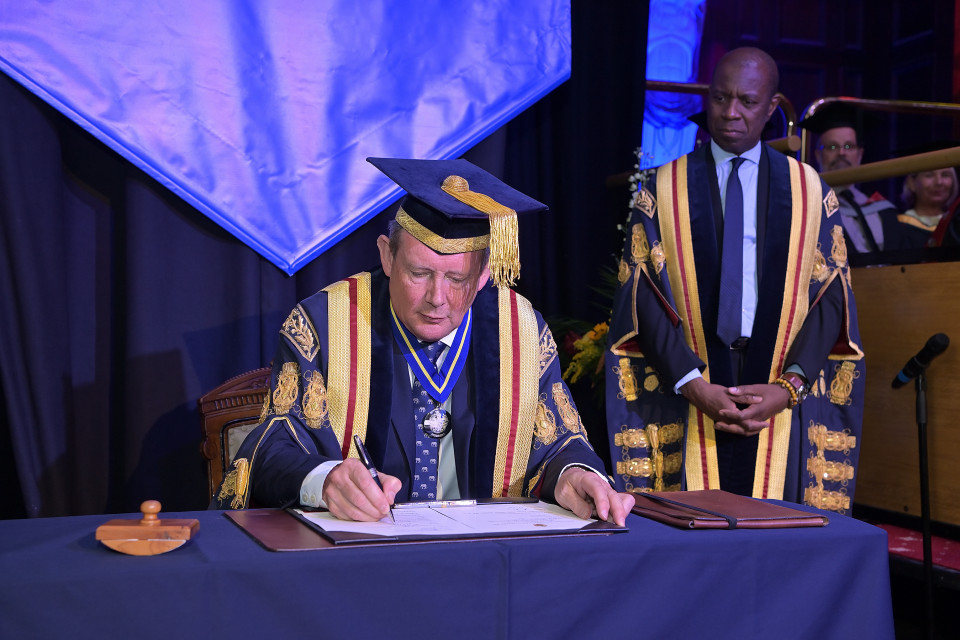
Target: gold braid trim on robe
x,y
773,446
676,236
348,368
675,228
519,389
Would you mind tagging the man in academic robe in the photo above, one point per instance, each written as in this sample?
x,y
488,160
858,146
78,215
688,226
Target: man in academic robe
x,y
733,358
452,385
870,223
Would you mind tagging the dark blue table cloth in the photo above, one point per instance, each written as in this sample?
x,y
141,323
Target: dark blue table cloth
x,y
655,581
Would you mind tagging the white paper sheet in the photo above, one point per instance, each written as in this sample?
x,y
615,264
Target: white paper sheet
x,y
464,521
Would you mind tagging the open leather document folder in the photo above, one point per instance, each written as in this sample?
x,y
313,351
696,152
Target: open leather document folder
x,y
717,509
296,529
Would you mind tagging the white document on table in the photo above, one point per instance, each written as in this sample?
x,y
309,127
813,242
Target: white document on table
x,y
453,521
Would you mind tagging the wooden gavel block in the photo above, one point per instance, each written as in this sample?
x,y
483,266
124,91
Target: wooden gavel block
x,y
149,536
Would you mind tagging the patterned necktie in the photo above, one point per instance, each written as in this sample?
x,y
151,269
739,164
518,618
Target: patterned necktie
x,y
731,262
427,450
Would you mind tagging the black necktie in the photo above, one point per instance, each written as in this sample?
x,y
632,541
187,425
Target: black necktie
x,y
862,219
729,311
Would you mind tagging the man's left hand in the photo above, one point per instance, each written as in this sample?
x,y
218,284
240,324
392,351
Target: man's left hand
x,y
763,402
585,494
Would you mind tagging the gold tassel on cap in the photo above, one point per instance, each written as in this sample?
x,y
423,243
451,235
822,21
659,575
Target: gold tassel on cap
x,y
504,233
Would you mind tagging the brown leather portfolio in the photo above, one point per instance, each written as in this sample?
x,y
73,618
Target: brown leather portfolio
x,y
717,509
280,530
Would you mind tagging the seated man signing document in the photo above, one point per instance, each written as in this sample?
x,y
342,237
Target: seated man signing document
x,y
453,385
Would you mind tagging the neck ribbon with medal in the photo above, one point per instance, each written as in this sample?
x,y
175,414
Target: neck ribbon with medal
x,y
437,382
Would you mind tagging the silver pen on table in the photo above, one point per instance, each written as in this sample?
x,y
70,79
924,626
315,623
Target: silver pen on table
x,y
435,503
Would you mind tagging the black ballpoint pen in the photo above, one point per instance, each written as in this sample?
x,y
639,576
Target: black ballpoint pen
x,y
368,463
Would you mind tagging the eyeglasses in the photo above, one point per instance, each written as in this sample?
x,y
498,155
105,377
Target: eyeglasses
x,y
834,147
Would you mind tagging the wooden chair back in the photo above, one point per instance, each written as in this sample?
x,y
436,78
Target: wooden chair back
x,y
228,413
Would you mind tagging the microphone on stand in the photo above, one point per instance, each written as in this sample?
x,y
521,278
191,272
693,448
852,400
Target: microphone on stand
x,y
916,368
936,345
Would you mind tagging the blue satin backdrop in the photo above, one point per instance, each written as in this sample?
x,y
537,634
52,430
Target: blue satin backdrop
x,y
260,114
121,304
673,51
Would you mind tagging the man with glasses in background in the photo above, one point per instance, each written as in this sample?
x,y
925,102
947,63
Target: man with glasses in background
x,y
869,222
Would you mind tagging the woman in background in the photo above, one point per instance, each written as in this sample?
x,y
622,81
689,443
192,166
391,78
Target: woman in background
x,y
928,196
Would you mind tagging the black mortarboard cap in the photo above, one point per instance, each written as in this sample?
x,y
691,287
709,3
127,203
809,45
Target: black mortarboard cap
x,y
454,206
833,115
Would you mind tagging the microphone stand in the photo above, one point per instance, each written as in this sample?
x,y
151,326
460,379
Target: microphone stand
x,y
921,386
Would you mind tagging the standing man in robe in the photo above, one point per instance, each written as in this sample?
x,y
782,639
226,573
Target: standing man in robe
x,y
733,358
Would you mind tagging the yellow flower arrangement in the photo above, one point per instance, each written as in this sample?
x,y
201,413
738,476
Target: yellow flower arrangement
x,y
588,359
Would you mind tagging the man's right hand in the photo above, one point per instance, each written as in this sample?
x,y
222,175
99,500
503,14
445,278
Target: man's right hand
x,y
351,493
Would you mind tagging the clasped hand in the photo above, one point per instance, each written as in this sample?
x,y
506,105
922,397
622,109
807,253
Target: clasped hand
x,y
746,409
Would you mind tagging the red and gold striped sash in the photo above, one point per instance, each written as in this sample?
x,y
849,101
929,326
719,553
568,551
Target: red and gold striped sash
x,y
701,454
519,384
348,368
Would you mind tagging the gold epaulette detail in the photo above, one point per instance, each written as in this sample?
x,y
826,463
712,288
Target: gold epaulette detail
x,y
820,467
632,438
265,410
235,484
820,270
671,433
823,470
658,257
635,468
568,413
639,245
314,400
548,349
624,272
838,249
672,463
657,465
627,380
545,423
287,388
301,333
826,440
645,202
829,500
831,203
842,384
650,381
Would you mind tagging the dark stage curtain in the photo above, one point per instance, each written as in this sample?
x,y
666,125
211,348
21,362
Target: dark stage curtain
x,y
120,305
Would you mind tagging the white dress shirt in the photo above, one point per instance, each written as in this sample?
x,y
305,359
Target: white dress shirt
x,y
748,173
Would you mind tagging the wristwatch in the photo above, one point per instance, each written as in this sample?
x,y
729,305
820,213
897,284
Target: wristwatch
x,y
798,383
